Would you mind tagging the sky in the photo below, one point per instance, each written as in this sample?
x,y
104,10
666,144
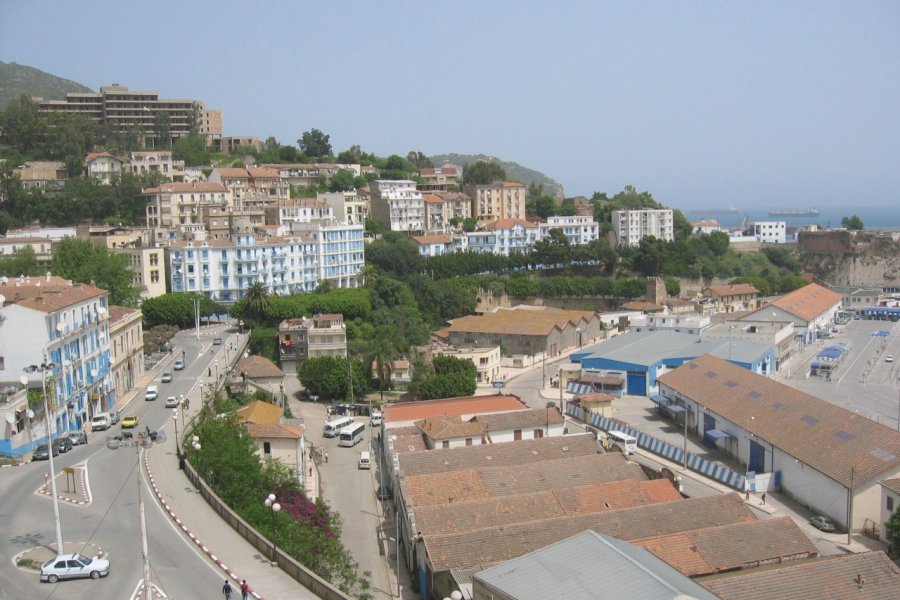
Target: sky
x,y
702,104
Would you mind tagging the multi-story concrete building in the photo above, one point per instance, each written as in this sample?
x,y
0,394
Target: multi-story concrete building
x,y
300,210
51,320
43,174
346,206
228,144
580,231
440,178
120,109
255,185
433,245
220,221
498,200
174,205
301,339
397,204
224,269
504,237
41,246
631,226
103,166
485,359
126,348
770,232
151,161
148,266
443,207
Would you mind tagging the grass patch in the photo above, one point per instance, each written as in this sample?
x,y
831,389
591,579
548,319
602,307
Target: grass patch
x,y
27,563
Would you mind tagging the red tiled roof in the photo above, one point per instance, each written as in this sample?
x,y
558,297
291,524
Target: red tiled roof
x,y
274,430
520,321
510,223
181,187
738,289
37,293
258,367
432,239
807,303
833,440
118,313
472,405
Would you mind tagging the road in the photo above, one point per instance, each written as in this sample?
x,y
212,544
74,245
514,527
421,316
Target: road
x,y
111,520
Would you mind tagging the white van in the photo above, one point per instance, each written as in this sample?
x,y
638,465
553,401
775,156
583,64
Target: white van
x,y
365,460
100,422
376,418
332,428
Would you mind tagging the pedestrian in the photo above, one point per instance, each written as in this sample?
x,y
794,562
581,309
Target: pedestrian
x,y
310,471
764,499
747,494
245,589
209,371
326,457
226,590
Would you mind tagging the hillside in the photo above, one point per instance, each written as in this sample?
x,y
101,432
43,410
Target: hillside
x,y
513,170
850,258
16,80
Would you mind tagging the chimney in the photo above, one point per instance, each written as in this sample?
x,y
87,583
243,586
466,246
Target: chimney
x,y
39,299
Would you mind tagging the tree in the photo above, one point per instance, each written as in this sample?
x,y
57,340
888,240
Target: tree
x,y
21,262
177,309
23,127
649,257
315,144
853,223
192,150
451,377
383,349
482,173
718,242
86,262
892,531
419,160
342,181
256,301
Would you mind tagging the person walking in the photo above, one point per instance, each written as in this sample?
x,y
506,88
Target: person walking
x,y
245,590
226,590
326,457
764,499
747,494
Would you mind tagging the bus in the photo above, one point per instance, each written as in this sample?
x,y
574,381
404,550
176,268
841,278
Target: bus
x,y
352,434
332,428
626,443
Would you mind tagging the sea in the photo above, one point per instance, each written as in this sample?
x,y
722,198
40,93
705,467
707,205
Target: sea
x,y
873,217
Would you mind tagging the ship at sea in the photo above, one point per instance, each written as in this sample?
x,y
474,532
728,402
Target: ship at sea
x,y
716,211
812,212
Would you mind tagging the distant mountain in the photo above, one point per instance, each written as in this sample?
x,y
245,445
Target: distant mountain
x,y
513,170
16,80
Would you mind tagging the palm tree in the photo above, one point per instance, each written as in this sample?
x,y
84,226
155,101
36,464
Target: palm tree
x,y
383,350
256,300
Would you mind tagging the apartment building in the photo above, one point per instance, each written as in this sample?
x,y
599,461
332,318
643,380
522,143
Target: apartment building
x,y
498,200
43,174
151,161
41,246
346,206
580,231
64,325
397,204
220,221
304,338
441,178
300,210
338,248
770,232
171,206
126,347
120,109
433,245
228,144
503,236
631,226
441,208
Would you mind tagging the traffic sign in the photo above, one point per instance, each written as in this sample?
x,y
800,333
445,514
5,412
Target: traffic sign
x,y
498,384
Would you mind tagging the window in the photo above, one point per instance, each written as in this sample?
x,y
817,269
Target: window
x,y
445,444
154,260
154,276
267,448
469,443
517,435
538,434
890,504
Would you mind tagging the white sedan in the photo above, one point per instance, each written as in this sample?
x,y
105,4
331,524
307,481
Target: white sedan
x,y
72,566
171,402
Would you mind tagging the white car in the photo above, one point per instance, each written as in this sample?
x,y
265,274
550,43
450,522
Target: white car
x,y
152,392
376,418
171,402
889,358
72,566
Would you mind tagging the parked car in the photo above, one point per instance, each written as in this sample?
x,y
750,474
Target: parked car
x,y
383,492
822,523
72,566
152,393
129,422
113,416
889,358
167,377
171,402
78,438
100,422
63,444
179,364
217,341
376,419
42,452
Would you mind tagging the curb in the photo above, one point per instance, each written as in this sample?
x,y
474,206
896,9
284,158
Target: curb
x,y
184,528
45,490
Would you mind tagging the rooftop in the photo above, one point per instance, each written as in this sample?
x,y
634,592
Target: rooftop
x,y
470,405
807,303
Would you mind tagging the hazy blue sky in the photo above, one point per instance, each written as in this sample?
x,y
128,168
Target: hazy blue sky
x,y
701,103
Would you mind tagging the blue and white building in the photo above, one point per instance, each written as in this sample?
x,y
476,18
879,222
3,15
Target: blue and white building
x,y
54,321
580,230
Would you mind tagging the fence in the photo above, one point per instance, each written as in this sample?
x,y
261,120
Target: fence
x,y
708,468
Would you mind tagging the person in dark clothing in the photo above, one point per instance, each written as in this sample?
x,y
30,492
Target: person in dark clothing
x,y
226,590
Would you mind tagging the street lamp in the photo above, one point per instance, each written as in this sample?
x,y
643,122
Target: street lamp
x,y
195,443
275,508
43,368
177,445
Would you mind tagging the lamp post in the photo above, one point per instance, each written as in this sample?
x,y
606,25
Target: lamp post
x,y
177,445
195,444
43,368
275,508
217,373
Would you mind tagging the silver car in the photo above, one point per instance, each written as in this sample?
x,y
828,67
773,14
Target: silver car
x,y
822,523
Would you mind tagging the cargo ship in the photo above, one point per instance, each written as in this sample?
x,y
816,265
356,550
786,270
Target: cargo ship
x,y
812,212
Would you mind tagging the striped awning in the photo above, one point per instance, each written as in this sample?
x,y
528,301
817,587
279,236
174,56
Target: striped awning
x,y
579,388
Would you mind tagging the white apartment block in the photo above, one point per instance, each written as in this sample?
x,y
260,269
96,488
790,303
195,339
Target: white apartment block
x,y
52,320
503,237
151,161
433,245
579,230
631,226
171,206
498,200
346,206
126,347
224,269
301,210
397,204
770,232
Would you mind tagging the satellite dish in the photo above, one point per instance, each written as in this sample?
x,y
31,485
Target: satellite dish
x,y
30,414
23,379
60,327
101,310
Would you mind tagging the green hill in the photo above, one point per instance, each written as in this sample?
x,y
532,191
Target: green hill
x,y
513,170
16,80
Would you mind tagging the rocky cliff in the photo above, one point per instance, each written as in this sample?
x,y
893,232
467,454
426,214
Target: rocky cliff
x,y
851,258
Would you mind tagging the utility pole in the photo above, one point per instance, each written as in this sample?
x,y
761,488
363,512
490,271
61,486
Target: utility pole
x,y
148,592
850,505
197,316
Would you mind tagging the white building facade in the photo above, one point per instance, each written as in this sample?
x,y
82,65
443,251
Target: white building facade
x,y
580,230
397,204
631,226
770,232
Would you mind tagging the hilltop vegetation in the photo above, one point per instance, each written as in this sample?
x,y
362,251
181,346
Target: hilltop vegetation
x,y
513,170
16,80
